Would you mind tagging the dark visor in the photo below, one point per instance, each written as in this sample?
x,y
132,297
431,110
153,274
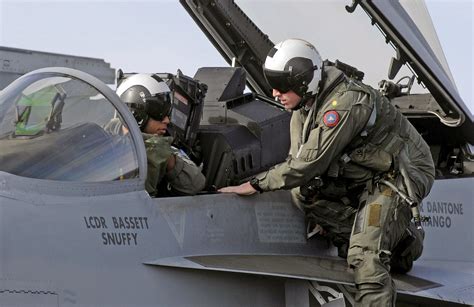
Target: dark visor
x,y
279,80
159,106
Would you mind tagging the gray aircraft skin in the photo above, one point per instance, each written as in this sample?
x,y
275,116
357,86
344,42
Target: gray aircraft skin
x,y
77,227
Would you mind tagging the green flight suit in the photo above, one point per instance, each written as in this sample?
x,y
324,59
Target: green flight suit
x,y
185,178
350,135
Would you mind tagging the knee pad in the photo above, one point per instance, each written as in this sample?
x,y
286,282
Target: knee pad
x,y
370,268
372,278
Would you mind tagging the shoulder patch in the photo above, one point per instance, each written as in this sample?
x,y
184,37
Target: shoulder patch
x,y
331,118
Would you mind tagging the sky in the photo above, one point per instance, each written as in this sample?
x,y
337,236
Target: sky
x,y
159,36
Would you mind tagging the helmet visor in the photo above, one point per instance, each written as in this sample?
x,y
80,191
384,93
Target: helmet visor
x,y
158,106
279,80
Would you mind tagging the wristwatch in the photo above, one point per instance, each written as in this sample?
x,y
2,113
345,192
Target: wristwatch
x,y
254,183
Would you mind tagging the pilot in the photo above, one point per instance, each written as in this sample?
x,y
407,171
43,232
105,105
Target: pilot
x,y
170,171
353,156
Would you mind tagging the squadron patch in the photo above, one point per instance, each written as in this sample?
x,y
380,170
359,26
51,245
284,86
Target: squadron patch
x,y
331,119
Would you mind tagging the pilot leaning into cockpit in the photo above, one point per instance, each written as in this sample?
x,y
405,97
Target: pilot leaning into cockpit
x,y
353,160
170,171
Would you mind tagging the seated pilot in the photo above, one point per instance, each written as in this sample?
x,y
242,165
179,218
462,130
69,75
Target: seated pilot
x,y
170,171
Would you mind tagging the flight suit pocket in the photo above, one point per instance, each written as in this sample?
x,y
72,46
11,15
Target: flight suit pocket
x,y
372,158
309,151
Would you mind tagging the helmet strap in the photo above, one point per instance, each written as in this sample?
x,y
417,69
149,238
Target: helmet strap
x,y
142,122
304,100
305,96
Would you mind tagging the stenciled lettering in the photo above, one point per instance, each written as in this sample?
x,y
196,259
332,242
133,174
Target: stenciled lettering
x,y
130,222
440,214
438,221
443,208
119,238
95,222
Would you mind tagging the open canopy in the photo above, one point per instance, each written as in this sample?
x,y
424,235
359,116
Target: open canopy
x,y
243,32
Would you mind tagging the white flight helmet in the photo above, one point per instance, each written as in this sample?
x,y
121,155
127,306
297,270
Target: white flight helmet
x,y
294,64
147,96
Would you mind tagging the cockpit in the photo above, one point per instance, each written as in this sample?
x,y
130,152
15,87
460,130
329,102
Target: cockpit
x,y
54,126
63,125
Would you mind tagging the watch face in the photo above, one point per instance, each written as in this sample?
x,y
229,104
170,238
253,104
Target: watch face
x,y
254,183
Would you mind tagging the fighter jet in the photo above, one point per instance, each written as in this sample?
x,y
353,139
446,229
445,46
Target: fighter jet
x,y
78,229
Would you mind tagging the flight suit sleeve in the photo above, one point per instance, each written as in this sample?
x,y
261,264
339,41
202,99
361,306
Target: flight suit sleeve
x,y
186,177
325,142
158,151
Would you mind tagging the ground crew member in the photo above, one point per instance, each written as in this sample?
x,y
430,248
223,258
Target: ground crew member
x,y
346,139
148,98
